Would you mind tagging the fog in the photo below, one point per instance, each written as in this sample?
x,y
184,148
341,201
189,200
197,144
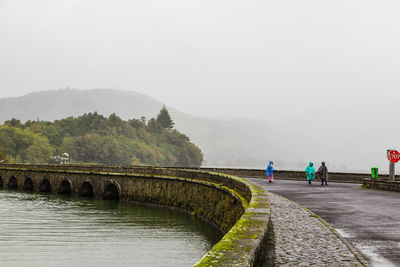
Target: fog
x,y
324,75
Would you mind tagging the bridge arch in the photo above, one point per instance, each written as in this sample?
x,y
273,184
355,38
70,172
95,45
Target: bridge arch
x,y
64,188
45,186
28,184
1,182
86,190
112,191
12,183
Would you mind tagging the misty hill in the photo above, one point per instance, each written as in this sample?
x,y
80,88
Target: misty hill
x,y
239,143
347,138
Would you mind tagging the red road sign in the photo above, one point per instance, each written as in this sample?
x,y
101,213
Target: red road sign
x,y
393,156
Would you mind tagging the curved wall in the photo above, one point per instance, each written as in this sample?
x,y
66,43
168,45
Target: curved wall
x,y
253,173
236,207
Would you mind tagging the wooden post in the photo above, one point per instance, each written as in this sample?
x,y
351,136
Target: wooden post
x,y
391,169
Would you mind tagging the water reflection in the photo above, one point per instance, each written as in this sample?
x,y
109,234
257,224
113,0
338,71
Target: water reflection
x,y
50,230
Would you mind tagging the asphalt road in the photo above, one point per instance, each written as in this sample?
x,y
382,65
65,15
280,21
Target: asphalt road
x,y
369,219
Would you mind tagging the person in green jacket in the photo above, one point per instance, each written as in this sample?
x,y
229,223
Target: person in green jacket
x,y
310,170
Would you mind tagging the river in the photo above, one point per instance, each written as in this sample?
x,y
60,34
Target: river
x,y
49,230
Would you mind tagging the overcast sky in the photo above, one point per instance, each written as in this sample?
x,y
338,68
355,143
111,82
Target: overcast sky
x,y
255,58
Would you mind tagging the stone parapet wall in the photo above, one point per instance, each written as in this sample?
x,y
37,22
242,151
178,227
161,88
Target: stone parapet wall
x,y
253,173
385,185
238,208
293,175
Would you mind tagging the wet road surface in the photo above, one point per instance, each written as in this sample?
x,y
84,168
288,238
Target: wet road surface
x,y
370,219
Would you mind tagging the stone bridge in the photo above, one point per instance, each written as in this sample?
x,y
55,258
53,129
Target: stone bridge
x,y
255,222
237,208
56,183
73,183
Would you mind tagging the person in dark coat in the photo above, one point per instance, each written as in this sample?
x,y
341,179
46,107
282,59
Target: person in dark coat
x,y
323,173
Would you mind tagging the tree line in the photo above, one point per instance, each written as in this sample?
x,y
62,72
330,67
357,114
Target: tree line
x,y
94,138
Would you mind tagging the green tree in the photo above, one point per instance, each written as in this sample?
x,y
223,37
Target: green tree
x,y
154,126
69,146
14,123
164,119
3,154
52,133
40,151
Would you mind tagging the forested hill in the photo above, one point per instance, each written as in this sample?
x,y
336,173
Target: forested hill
x,y
239,143
233,142
94,138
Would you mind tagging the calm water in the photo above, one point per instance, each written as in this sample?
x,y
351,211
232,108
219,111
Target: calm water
x,y
48,230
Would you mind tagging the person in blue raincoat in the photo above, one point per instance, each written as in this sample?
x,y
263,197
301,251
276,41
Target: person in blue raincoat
x,y
270,172
310,171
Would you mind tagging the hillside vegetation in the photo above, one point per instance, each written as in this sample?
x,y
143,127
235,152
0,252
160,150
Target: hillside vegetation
x,y
233,142
93,138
